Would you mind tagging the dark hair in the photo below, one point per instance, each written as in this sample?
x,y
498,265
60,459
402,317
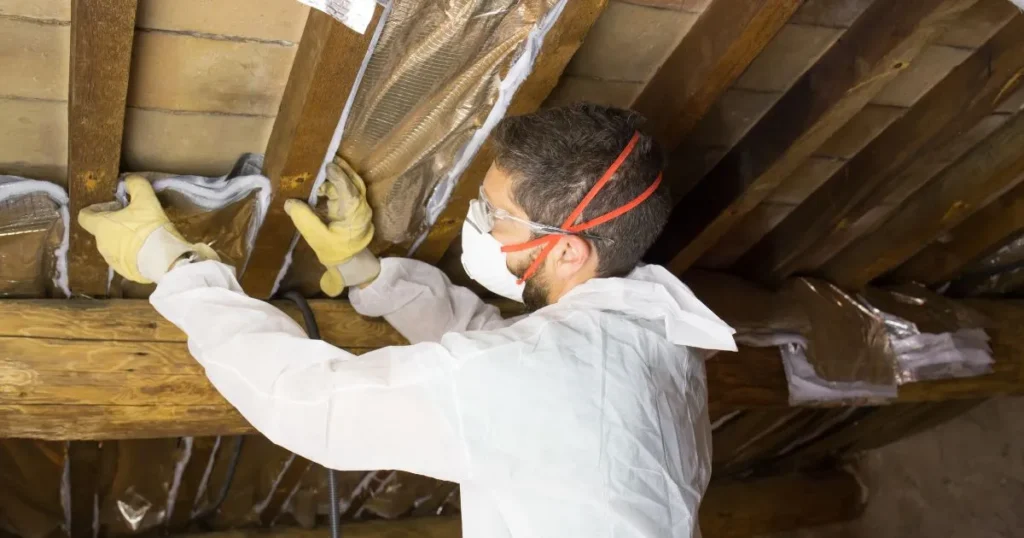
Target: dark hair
x,y
556,155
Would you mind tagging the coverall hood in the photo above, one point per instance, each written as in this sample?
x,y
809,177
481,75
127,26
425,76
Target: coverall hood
x,y
650,292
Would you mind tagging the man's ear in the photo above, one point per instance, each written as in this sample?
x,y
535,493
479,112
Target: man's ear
x,y
571,255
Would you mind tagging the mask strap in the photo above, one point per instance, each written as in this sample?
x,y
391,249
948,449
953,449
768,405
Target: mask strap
x,y
549,241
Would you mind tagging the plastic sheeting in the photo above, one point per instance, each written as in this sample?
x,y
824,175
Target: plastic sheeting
x,y
33,238
225,212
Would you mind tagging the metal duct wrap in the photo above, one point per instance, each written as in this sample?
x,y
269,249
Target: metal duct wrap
x,y
430,83
32,238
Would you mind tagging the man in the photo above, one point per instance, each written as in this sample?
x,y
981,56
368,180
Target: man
x,y
586,418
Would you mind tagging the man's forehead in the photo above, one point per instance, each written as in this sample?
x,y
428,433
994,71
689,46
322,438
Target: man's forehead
x,y
498,189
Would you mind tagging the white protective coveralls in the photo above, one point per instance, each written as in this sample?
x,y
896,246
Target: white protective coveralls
x,y
587,418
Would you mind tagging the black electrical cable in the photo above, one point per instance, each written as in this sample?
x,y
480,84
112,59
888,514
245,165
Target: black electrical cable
x,y
314,333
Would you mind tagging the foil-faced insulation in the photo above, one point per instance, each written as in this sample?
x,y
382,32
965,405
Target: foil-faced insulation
x,y
33,238
440,76
225,212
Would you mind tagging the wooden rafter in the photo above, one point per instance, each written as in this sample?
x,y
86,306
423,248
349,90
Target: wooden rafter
x,y
981,233
324,72
101,50
992,168
83,460
879,176
560,44
283,488
710,57
115,369
879,45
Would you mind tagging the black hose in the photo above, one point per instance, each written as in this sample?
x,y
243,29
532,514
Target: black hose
x,y
314,333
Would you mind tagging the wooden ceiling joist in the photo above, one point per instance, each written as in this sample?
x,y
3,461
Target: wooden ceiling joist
x,y
116,369
980,234
877,47
852,200
83,459
993,167
101,51
723,41
560,44
323,74
180,515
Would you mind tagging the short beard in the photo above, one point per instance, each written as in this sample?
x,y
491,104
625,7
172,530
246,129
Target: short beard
x,y
535,293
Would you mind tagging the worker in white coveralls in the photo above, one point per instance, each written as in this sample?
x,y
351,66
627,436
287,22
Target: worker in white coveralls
x,y
586,418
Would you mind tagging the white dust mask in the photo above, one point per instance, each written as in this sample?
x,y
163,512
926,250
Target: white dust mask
x,y
484,261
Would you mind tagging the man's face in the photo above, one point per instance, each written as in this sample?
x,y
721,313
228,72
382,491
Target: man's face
x,y
498,190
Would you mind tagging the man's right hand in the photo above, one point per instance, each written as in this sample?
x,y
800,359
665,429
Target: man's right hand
x,y
340,245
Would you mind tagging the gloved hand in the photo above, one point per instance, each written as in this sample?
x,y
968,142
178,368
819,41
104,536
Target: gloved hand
x,y
341,243
138,241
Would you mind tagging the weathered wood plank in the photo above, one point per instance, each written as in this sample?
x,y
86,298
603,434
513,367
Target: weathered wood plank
x,y
994,167
879,45
710,57
560,44
107,389
323,73
848,204
981,233
131,320
101,53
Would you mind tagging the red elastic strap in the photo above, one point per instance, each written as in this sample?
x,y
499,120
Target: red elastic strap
x,y
551,240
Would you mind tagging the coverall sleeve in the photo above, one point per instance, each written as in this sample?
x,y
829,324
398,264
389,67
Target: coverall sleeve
x,y
388,409
420,302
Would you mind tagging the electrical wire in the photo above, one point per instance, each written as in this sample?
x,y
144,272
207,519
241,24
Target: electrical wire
x,y
314,333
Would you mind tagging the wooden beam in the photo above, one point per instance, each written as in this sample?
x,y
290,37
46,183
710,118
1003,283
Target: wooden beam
x,y
101,52
83,460
93,382
980,234
710,57
191,478
994,167
880,44
730,509
559,46
848,204
283,488
322,76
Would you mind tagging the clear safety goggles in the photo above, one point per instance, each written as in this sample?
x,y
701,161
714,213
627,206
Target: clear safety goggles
x,y
484,214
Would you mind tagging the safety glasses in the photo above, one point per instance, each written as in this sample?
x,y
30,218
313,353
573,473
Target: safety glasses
x,y
485,214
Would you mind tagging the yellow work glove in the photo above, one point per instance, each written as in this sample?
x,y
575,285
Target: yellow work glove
x,y
341,243
138,241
